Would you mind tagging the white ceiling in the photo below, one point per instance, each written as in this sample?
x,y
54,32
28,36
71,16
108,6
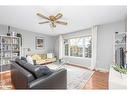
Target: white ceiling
x,y
78,17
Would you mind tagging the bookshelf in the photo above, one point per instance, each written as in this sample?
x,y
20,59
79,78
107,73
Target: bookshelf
x,y
120,43
9,50
120,40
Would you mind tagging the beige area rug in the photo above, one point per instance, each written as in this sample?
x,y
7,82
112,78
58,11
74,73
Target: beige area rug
x,y
76,77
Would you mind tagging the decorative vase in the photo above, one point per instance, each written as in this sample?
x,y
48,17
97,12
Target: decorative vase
x,y
60,60
13,34
19,35
8,34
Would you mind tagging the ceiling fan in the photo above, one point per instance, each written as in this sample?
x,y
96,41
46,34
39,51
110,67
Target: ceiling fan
x,y
52,19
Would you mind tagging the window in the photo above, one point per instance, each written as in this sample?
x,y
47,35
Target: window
x,y
88,47
78,47
66,47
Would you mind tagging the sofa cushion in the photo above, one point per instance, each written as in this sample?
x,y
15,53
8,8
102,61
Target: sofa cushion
x,y
18,71
33,69
37,70
20,62
43,56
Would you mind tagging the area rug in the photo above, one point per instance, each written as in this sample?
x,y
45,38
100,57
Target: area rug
x,y
76,77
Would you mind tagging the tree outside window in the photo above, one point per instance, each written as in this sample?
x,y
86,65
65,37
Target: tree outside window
x,y
79,47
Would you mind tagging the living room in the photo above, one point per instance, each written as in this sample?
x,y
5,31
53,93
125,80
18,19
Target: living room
x,y
78,49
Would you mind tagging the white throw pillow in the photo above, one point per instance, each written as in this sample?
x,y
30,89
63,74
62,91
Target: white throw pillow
x,y
30,60
49,55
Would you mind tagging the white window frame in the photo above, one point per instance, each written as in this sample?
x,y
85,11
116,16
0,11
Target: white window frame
x,y
83,48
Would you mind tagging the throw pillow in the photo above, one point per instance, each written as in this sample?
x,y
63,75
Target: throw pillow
x,y
30,60
37,70
33,69
49,55
45,70
23,58
43,56
36,57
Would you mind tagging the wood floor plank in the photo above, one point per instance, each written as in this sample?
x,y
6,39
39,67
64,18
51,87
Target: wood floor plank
x,y
99,80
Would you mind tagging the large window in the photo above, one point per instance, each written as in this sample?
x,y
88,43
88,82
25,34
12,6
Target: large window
x,y
78,47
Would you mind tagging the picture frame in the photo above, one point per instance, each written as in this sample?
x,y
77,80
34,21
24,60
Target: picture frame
x,y
39,42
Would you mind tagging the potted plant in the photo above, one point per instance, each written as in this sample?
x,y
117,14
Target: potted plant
x,y
121,70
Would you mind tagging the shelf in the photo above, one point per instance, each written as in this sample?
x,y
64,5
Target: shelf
x,y
5,44
15,44
6,51
120,34
5,67
9,49
9,44
5,36
6,57
15,51
120,44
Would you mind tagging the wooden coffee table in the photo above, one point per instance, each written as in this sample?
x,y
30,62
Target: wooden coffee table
x,y
44,63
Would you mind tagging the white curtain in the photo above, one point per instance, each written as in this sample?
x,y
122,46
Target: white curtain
x,y
94,47
126,35
60,47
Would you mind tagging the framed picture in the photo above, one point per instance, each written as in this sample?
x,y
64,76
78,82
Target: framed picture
x,y
39,41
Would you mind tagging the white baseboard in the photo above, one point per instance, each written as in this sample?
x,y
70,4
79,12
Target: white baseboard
x,y
80,65
102,69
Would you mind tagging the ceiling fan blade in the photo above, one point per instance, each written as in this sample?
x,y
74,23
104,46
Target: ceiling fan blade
x,y
58,16
61,22
44,22
42,16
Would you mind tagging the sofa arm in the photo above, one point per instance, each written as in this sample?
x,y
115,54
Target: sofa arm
x,y
57,80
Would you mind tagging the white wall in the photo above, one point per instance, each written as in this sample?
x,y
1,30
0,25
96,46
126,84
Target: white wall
x,y
105,50
3,29
84,32
56,46
29,39
126,36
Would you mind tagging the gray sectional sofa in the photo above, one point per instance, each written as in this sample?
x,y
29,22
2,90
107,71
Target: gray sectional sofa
x,y
27,76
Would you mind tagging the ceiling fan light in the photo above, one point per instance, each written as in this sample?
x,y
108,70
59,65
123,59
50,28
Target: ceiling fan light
x,y
53,20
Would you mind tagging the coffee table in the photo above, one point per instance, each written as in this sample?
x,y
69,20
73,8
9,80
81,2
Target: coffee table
x,y
60,64
57,65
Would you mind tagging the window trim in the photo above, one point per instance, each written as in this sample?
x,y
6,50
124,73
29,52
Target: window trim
x,y
78,57
83,48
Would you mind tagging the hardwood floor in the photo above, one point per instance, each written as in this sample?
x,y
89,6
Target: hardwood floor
x,y
99,80
6,79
